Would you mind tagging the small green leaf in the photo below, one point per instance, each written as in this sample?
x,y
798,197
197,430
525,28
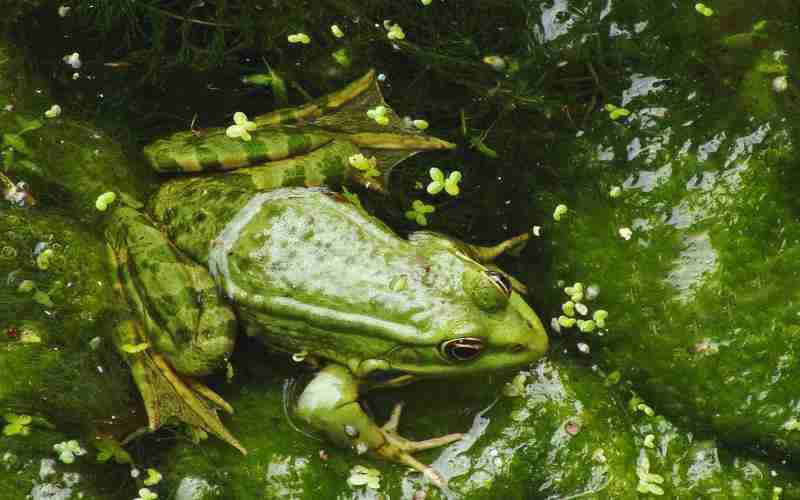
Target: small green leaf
x,y
110,448
26,125
18,143
135,348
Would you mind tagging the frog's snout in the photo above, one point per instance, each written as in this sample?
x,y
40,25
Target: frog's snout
x,y
534,341
537,342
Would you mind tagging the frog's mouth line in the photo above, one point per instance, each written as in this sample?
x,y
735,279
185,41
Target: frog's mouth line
x,y
390,378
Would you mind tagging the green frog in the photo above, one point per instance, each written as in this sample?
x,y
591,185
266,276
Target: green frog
x,y
256,241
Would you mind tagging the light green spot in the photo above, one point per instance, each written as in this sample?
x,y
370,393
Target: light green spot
x,y
17,424
599,318
44,259
26,286
364,476
135,348
419,211
68,450
104,200
42,298
559,212
616,112
450,185
516,387
703,9
110,448
153,477
566,322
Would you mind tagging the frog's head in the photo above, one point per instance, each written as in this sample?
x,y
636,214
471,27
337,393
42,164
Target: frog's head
x,y
477,320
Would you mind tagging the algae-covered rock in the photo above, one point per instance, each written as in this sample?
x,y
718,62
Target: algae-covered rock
x,y
695,256
556,431
54,354
67,161
30,467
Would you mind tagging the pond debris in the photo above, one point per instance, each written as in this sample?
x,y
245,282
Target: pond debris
x,y
68,450
16,193
153,477
497,63
364,476
337,31
73,60
516,387
575,292
559,212
439,183
378,113
599,456
394,31
18,424
146,494
368,166
780,84
704,9
616,112
44,259
104,200
53,112
299,38
241,127
599,317
419,211
648,482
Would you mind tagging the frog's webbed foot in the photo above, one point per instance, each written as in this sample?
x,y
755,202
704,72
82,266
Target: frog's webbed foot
x,y
168,396
399,449
330,403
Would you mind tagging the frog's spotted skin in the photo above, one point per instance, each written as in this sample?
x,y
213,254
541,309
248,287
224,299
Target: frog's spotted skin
x,y
267,250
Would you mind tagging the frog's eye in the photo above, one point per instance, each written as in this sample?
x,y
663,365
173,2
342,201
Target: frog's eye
x,y
463,349
501,282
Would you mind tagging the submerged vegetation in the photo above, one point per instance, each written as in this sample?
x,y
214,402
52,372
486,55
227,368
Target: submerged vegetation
x,y
648,148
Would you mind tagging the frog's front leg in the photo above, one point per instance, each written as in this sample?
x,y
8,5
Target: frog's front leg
x,y
179,328
330,403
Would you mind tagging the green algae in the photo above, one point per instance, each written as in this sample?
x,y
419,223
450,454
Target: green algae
x,y
701,298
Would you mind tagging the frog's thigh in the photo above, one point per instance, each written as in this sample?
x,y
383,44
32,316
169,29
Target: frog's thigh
x,y
183,315
330,404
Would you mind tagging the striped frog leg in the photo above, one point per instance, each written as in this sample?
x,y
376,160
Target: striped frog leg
x,y
285,140
213,150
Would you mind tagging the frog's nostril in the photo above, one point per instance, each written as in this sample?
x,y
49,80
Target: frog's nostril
x,y
517,348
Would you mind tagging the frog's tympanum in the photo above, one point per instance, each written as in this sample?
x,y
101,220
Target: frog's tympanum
x,y
257,245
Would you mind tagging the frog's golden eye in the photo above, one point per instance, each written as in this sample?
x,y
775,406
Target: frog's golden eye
x,y
463,349
501,282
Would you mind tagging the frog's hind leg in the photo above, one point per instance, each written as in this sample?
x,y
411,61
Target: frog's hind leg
x,y
180,329
330,403
344,113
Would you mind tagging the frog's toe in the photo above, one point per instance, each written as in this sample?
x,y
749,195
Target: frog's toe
x,y
406,445
400,449
168,395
